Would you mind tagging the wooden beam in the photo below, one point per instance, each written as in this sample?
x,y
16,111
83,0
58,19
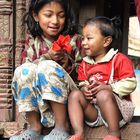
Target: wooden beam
x,y
125,28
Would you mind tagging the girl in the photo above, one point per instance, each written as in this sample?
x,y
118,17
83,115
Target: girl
x,y
41,85
106,79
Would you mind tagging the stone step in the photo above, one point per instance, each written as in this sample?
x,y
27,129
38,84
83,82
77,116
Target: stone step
x,y
129,132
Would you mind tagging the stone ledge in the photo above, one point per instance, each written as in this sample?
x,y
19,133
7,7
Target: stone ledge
x,y
8,129
129,132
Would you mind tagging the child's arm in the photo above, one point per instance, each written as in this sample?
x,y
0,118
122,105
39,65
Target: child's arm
x,y
124,76
125,86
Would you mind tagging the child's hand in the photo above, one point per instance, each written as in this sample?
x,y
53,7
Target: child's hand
x,y
98,86
88,95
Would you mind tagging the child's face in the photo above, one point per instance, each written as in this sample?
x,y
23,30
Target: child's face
x,y
51,19
93,42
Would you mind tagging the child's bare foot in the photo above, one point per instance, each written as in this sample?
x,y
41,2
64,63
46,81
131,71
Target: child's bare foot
x,y
111,137
76,137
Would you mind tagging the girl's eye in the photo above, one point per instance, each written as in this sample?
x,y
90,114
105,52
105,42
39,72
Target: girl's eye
x,y
48,14
62,15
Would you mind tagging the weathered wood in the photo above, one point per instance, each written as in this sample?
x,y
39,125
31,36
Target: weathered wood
x,y
1,131
6,111
125,28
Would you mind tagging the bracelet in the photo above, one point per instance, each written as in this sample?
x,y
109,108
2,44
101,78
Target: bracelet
x,y
49,55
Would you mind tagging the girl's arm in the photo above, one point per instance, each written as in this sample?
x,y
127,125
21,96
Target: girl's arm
x,y
29,54
76,55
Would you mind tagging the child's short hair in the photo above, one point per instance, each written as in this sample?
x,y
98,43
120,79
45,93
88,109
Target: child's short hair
x,y
36,5
107,27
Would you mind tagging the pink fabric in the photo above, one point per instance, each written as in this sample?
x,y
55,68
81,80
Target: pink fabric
x,y
75,137
110,137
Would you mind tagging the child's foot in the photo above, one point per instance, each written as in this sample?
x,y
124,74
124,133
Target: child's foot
x,y
76,137
111,137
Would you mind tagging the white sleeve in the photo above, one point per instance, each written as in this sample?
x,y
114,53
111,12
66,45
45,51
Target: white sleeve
x,y
125,86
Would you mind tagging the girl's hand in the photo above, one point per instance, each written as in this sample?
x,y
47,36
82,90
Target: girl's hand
x,y
56,55
36,61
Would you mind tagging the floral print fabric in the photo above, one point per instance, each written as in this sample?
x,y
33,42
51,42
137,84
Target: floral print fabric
x,y
35,84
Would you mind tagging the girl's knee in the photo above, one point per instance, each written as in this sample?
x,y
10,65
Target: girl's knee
x,y
26,69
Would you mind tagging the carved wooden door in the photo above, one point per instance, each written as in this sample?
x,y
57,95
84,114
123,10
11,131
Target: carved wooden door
x,y
12,36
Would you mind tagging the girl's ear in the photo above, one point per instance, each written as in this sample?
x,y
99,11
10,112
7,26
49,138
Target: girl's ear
x,y
107,41
35,16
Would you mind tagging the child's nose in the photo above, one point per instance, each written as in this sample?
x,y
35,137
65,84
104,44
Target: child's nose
x,y
84,42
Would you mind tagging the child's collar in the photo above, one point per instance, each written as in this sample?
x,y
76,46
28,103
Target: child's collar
x,y
106,58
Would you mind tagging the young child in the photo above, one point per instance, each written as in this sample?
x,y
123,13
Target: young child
x,y
106,78
42,83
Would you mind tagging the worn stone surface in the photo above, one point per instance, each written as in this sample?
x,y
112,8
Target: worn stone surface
x,y
129,132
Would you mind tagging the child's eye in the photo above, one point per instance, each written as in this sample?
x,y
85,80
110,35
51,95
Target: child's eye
x,y
82,38
89,38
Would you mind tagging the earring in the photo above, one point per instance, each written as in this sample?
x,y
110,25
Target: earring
x,y
36,26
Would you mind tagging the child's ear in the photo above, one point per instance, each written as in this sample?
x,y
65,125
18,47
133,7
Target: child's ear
x,y
108,41
35,16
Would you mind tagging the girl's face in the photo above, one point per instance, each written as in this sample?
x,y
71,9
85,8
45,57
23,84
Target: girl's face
x,y
51,19
94,43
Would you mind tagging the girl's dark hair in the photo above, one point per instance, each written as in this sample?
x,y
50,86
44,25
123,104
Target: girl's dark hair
x,y
36,5
108,27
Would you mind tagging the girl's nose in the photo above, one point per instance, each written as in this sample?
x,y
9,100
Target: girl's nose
x,y
55,19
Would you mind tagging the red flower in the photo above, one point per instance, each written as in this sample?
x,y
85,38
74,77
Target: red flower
x,y
62,43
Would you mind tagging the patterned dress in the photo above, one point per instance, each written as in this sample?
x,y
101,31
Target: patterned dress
x,y
36,83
